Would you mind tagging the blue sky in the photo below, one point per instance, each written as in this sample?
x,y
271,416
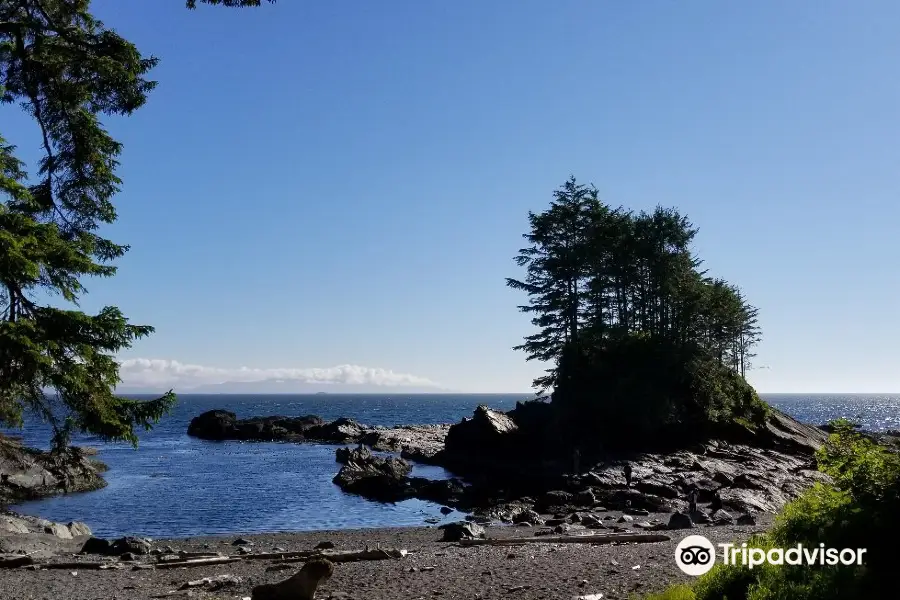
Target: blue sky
x,y
320,184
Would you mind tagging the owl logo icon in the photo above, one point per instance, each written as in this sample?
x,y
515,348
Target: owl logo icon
x,y
695,555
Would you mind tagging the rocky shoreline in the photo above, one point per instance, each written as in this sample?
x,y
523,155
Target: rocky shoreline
x,y
504,470
509,480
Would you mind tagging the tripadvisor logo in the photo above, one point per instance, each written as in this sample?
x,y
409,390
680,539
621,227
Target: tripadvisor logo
x,y
696,555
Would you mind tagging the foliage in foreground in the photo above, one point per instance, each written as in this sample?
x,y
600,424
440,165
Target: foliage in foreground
x,y
66,70
641,344
860,509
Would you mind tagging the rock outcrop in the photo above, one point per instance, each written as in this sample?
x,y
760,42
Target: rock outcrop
x,y
386,479
39,538
746,472
125,545
220,425
520,467
486,431
29,474
375,477
492,446
339,431
454,532
422,443
736,477
16,524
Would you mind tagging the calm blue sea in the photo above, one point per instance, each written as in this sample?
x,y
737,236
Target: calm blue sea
x,y
176,486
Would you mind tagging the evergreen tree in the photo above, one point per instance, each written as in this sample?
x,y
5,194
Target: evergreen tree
x,y
66,70
634,331
556,266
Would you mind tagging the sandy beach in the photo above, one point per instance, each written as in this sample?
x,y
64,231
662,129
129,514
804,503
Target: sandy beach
x,y
431,568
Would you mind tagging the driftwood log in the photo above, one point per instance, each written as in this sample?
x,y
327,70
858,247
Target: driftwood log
x,y
15,560
569,539
353,556
170,558
306,556
301,586
184,554
276,555
82,566
198,562
213,583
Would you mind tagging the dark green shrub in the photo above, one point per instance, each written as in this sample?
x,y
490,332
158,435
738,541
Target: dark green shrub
x,y
638,393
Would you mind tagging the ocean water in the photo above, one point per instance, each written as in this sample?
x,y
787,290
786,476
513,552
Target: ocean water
x,y
177,486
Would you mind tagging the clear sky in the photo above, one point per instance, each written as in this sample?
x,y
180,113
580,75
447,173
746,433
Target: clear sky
x,y
317,184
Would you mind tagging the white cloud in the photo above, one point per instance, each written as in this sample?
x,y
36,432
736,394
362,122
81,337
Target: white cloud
x,y
146,372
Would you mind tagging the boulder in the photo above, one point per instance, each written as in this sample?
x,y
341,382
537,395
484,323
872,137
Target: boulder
x,y
722,517
129,544
214,425
347,454
746,520
78,529
59,530
339,431
98,546
592,522
554,499
376,478
11,524
528,516
700,517
680,521
487,431
440,491
453,532
585,498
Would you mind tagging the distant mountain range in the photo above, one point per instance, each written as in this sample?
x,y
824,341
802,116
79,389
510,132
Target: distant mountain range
x,y
280,386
